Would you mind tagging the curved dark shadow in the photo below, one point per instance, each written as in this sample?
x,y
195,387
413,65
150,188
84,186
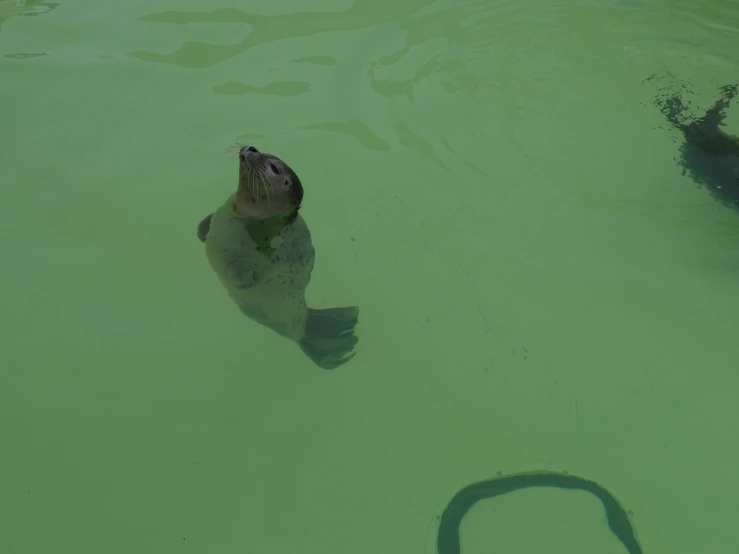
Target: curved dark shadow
x,y
618,519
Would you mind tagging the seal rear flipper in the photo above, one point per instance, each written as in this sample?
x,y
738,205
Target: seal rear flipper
x,y
328,356
329,336
204,227
331,322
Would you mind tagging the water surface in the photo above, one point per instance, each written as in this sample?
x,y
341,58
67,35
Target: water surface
x,y
540,286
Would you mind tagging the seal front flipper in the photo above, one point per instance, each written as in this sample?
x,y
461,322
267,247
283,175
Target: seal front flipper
x,y
204,227
329,337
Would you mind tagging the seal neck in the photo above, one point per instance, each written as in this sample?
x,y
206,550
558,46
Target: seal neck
x,y
243,209
262,229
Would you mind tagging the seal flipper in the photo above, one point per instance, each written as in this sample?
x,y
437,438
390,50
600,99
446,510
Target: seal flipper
x,y
329,336
204,227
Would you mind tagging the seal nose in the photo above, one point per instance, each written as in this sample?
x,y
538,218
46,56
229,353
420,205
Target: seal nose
x,y
247,150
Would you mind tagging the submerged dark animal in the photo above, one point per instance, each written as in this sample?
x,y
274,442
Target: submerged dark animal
x,y
708,155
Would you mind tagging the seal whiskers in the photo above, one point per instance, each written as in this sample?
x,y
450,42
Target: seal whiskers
x,y
269,198
262,177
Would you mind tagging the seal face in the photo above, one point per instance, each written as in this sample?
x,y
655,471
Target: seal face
x,y
261,250
268,187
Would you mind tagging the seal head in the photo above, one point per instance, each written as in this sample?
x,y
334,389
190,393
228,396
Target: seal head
x,y
268,187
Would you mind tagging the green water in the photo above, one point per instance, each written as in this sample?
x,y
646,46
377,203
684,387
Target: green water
x,y
540,287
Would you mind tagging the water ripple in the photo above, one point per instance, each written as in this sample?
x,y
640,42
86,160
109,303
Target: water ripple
x,y
279,88
13,8
268,28
454,82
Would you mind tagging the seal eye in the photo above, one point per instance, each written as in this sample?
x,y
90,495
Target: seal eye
x,y
274,169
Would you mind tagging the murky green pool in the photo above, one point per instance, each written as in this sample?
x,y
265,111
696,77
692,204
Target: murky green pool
x,y
540,286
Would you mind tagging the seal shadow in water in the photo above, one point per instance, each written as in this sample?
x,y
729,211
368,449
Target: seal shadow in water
x,y
448,535
708,154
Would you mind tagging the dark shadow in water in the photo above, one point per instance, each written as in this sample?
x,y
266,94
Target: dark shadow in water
x,y
708,154
618,519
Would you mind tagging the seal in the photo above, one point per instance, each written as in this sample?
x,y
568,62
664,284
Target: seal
x,y
260,248
708,154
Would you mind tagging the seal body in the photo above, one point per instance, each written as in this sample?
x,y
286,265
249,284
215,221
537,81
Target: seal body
x,y
266,276
260,249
